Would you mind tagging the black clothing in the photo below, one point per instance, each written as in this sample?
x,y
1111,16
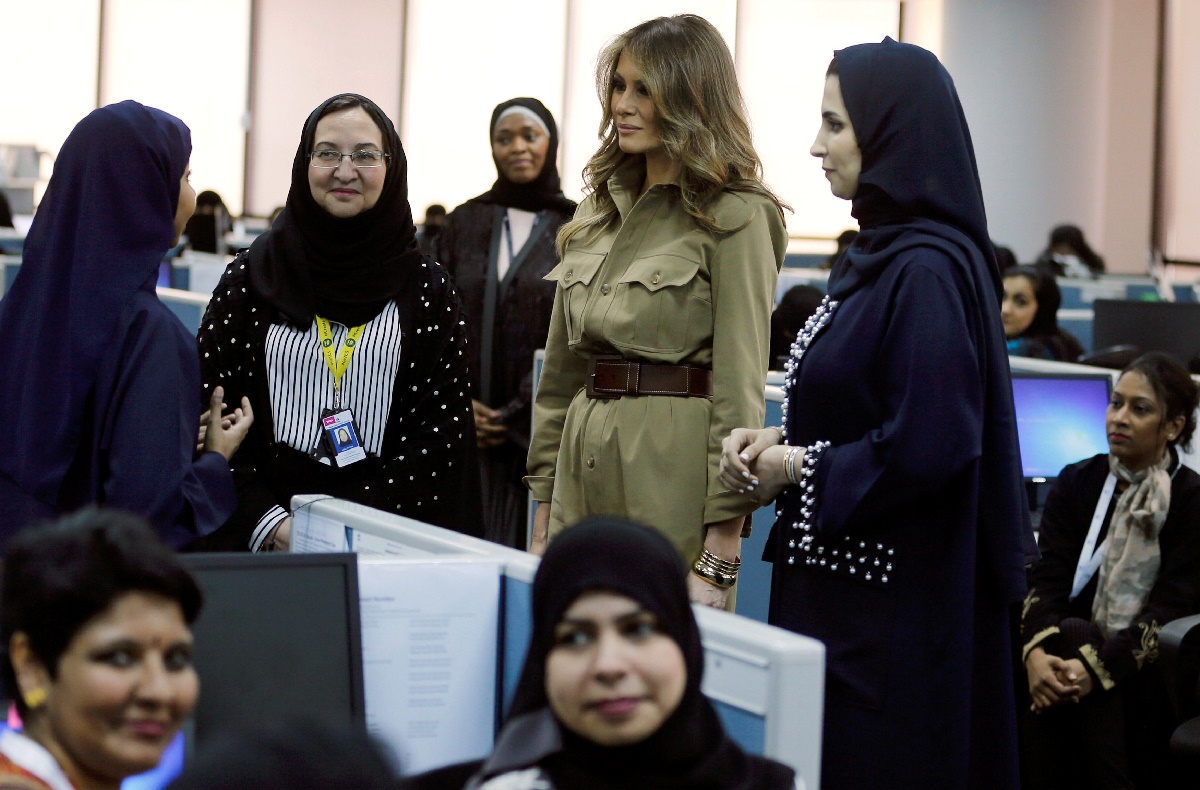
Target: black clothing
x,y
98,376
909,550
427,467
1116,736
507,318
1065,521
344,269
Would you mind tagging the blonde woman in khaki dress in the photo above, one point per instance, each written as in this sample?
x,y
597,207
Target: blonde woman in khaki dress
x,y
659,336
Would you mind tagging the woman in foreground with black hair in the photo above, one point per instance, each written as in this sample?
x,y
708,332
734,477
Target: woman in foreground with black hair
x,y
97,652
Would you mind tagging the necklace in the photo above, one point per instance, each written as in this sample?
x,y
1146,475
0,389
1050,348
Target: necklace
x,y
804,338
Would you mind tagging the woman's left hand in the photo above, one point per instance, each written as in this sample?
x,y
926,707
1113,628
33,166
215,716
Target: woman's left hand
x,y
1074,673
740,452
700,591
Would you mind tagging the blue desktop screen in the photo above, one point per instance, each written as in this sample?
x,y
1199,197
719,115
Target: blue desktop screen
x,y
1060,420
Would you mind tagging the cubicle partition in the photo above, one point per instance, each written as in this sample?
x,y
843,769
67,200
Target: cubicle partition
x,y
767,683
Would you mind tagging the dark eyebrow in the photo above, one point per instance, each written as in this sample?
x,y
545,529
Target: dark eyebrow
x,y
831,115
357,146
632,614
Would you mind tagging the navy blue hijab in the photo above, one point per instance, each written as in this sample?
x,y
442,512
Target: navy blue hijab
x,y
919,187
102,228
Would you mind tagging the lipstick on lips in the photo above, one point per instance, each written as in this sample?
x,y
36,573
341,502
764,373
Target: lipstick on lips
x,y
617,707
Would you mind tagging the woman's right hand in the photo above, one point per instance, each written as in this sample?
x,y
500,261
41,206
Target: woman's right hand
x,y
225,433
541,529
1045,687
488,432
740,450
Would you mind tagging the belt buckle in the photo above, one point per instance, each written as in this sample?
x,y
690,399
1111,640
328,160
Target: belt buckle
x,y
592,392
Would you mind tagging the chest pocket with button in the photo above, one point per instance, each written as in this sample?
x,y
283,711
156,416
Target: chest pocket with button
x,y
659,306
574,275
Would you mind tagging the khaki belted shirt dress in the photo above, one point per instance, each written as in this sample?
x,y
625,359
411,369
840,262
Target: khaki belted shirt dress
x,y
658,288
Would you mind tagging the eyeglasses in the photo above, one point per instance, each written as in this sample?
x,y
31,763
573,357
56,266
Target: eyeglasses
x,y
329,159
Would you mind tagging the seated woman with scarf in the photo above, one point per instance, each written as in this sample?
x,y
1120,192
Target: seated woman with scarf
x,y
609,696
1120,541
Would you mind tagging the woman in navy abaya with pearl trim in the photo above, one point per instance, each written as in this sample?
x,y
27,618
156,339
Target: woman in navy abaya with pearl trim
x,y
902,517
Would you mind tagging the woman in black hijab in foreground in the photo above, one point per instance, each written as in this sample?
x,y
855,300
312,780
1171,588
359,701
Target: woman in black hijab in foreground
x,y
609,696
902,517
499,247
350,344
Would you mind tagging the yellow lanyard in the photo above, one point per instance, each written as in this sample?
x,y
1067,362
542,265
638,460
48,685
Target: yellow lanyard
x,y
338,366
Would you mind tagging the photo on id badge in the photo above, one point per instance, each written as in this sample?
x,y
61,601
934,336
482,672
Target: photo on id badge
x,y
342,437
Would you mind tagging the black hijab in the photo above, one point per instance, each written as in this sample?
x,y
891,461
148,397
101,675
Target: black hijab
x,y
345,269
691,749
918,164
919,187
101,230
544,191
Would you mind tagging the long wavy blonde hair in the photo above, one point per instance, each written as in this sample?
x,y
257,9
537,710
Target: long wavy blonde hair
x,y
701,117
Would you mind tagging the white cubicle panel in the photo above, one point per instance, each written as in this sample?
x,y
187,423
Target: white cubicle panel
x,y
430,649
767,683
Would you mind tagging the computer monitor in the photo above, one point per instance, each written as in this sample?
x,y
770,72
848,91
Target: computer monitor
x,y
279,636
1060,419
1172,327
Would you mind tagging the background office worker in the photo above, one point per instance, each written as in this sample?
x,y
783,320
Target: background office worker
x,y
667,281
499,247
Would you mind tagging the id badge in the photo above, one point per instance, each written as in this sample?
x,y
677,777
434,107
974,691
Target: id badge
x,y
341,438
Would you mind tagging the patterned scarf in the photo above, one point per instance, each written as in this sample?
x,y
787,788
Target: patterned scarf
x,y
1132,556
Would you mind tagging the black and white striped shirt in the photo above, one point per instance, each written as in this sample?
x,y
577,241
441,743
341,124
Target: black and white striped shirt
x,y
301,385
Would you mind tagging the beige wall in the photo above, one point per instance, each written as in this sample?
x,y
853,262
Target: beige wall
x,y
1059,96
298,61
1181,186
191,60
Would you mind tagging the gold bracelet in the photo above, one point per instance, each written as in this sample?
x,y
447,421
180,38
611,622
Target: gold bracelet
x,y
716,571
713,576
726,566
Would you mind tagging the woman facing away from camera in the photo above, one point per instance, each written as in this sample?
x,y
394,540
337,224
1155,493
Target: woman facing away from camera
x,y
334,321
100,377
499,247
96,652
659,337
902,520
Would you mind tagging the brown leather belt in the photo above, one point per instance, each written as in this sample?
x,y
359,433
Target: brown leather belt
x,y
614,376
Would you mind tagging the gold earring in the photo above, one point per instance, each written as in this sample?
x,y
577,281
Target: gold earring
x,y
36,698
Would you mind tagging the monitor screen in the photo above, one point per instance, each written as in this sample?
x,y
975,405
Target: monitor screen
x,y
1060,420
279,635
1172,327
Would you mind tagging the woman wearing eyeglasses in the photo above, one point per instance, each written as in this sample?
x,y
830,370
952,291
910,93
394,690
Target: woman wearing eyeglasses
x,y
333,320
